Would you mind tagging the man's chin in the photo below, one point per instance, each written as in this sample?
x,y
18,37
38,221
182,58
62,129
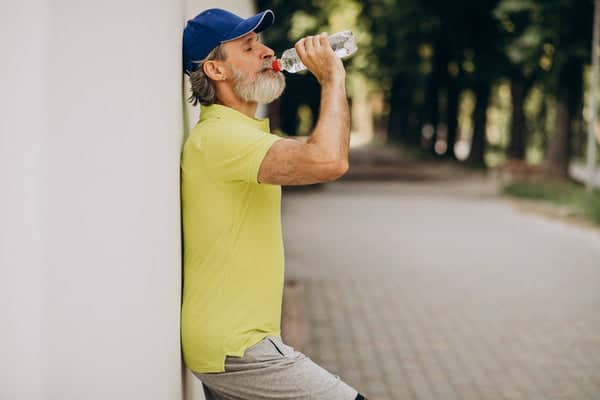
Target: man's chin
x,y
275,99
270,99
267,88
267,98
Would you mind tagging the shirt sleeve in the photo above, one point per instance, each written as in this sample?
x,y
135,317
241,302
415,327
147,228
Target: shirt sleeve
x,y
235,154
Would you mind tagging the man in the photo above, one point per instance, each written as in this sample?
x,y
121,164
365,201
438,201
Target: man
x,y
232,171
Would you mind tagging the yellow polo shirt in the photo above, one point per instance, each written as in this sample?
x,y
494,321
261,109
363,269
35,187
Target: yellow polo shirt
x,y
233,264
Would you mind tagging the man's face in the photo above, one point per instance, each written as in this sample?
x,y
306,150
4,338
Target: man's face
x,y
253,77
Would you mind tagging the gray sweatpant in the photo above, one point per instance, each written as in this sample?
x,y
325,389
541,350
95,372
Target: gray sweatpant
x,y
273,370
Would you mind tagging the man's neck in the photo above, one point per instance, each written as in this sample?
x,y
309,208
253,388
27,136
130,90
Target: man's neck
x,y
247,108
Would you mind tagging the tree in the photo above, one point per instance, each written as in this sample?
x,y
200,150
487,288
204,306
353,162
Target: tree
x,y
522,41
572,42
398,30
553,36
488,65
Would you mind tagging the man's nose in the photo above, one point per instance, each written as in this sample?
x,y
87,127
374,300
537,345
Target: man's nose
x,y
267,53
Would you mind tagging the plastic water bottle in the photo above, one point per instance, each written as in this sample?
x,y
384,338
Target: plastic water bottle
x,y
343,44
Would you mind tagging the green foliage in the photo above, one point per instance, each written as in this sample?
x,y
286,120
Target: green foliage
x,y
533,29
569,194
411,49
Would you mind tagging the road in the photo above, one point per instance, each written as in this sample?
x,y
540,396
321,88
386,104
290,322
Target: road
x,y
441,289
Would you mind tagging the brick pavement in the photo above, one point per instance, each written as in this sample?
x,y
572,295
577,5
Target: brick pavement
x,y
442,290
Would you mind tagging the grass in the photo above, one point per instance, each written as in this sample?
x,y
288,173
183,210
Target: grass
x,y
562,193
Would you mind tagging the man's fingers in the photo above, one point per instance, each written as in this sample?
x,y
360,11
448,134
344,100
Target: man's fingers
x,y
316,42
300,49
317,55
323,39
308,44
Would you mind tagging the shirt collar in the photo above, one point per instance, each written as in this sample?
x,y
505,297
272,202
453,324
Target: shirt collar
x,y
219,111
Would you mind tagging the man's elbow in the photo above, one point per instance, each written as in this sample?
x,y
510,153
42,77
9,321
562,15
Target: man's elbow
x,y
338,170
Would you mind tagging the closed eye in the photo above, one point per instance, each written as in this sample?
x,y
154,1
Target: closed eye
x,y
256,39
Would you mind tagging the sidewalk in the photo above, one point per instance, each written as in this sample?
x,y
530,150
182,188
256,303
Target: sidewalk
x,y
437,289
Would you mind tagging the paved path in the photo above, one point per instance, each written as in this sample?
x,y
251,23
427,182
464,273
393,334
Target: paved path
x,y
442,290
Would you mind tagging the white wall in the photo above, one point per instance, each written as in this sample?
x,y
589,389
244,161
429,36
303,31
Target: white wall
x,y
22,116
112,200
91,131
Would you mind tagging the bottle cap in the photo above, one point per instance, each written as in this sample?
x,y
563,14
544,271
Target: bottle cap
x,y
276,66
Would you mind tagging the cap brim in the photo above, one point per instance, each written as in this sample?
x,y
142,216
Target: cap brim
x,y
258,23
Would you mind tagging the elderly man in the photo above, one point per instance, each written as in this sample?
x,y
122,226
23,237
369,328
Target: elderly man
x,y
232,170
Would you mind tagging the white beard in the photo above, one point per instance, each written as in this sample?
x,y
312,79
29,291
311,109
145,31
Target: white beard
x,y
264,89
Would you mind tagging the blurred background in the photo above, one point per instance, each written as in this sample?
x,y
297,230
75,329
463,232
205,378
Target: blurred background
x,y
474,82
440,75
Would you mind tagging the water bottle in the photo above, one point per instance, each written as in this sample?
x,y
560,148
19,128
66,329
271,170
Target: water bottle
x,y
343,44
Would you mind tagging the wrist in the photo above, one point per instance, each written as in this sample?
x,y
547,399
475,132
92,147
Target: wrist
x,y
334,81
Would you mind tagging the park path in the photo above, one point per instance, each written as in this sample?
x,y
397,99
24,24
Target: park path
x,y
440,289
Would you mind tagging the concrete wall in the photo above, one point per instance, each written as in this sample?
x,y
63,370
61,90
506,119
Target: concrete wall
x,y
90,248
22,119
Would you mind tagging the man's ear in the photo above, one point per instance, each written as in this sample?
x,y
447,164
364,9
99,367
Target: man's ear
x,y
214,70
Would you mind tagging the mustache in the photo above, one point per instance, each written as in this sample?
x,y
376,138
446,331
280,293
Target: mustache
x,y
267,65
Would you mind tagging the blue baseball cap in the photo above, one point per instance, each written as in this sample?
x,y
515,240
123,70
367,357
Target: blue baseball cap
x,y
215,26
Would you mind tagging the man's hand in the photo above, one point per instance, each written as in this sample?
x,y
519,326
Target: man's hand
x,y
318,56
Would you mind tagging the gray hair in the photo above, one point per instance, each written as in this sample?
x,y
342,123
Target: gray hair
x,y
203,91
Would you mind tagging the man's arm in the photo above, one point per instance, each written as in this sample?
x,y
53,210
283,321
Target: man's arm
x,y
324,157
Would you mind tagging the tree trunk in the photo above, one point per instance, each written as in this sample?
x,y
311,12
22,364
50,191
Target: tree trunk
x,y
568,97
274,114
432,105
397,115
476,156
400,107
301,89
518,139
452,118
288,121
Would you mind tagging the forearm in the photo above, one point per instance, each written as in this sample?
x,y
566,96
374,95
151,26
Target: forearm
x,y
332,133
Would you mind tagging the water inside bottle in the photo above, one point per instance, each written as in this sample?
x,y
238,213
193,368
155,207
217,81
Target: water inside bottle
x,y
290,61
342,43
